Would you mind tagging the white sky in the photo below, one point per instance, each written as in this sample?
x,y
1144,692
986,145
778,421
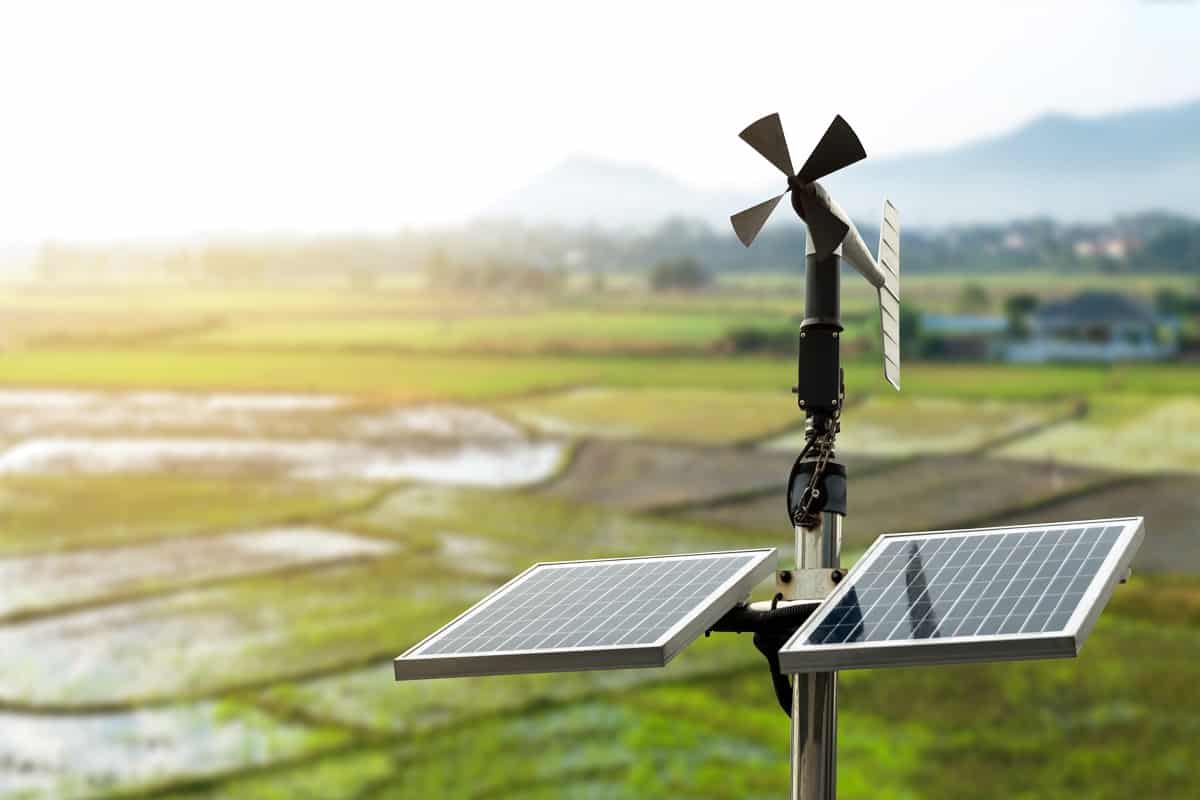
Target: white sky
x,y
172,119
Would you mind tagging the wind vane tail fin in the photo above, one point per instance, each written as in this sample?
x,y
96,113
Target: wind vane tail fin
x,y
889,293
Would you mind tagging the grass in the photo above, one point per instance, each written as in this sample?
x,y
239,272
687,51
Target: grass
x,y
414,377
305,654
1057,729
91,756
519,528
207,642
706,416
538,331
316,779
639,476
396,377
368,699
924,493
405,345
901,425
942,292
1141,433
250,633
63,512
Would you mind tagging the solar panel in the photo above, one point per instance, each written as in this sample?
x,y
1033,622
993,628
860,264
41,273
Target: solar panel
x,y
599,614
990,594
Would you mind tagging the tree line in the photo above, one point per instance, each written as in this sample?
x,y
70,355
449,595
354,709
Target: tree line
x,y
497,254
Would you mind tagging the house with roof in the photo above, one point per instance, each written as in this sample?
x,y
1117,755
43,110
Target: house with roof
x,y
964,337
1095,326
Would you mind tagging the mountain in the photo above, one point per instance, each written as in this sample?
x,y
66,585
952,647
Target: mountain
x,y
1067,167
585,191
1070,168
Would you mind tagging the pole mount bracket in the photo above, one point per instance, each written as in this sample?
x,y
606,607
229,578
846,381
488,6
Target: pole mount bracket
x,y
809,585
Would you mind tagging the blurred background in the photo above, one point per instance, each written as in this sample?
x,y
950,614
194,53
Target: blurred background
x,y
320,321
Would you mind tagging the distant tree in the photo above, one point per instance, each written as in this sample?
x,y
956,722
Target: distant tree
x,y
1169,301
758,339
1021,303
974,297
1175,247
679,273
1017,308
913,340
1174,302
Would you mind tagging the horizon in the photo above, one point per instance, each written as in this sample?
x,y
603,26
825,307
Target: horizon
x,y
315,136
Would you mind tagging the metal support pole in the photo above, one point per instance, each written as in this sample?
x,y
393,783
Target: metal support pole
x,y
814,695
819,392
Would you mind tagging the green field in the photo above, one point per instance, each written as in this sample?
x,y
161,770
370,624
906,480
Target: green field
x,y
1140,433
707,416
582,330
414,377
191,679
901,425
113,510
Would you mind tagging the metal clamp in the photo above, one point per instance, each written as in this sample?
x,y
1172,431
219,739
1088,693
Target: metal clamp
x,y
807,584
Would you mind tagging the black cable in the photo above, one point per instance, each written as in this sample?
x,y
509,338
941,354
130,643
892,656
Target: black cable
x,y
772,628
769,644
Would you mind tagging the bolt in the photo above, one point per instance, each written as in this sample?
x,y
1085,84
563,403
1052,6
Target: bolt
x,y
837,575
785,576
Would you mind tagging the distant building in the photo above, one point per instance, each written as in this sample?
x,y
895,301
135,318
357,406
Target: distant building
x,y
1095,326
964,337
1113,247
1116,249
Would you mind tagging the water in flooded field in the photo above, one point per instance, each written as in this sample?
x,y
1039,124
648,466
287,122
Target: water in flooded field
x,y
110,625
79,756
53,579
315,437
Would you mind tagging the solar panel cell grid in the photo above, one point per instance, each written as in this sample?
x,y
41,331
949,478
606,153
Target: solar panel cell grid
x,y
598,614
951,586
987,594
590,605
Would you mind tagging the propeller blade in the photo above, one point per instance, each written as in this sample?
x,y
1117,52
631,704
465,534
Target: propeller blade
x,y
747,224
766,136
826,228
838,148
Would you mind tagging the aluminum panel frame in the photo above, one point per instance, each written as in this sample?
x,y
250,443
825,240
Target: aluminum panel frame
x,y
797,657
413,666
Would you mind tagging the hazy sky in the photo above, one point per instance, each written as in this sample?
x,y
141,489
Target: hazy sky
x,y
165,119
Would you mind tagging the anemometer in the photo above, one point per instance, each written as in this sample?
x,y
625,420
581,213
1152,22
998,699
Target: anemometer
x,y
921,598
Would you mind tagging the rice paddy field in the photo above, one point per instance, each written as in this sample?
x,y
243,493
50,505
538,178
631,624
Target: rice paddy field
x,y
223,513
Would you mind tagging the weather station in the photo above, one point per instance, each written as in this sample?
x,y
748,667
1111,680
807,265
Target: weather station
x,y
913,598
